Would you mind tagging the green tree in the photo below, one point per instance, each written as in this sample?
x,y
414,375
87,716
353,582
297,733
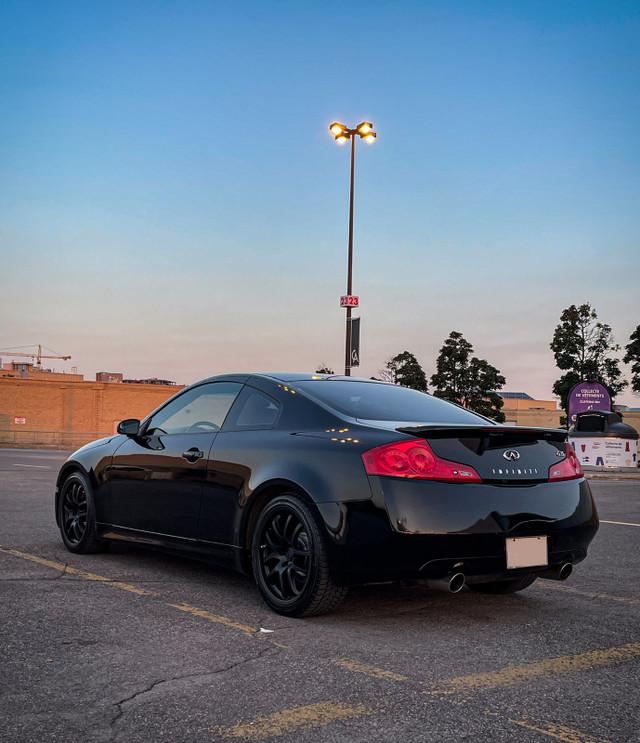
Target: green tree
x,y
405,370
483,398
467,380
583,348
450,379
632,356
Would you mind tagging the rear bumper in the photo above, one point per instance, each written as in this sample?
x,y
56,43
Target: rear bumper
x,y
416,532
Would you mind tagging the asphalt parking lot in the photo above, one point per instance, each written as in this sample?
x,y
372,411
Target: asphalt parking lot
x,y
133,645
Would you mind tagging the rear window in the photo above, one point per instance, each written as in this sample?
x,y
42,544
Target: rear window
x,y
386,402
252,411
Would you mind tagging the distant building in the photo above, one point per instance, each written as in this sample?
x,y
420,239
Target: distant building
x,y
109,377
26,370
522,401
152,380
520,409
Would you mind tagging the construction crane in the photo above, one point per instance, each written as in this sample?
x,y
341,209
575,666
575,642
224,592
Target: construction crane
x,y
38,356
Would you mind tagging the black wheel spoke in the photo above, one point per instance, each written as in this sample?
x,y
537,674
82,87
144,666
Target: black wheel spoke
x,y
300,572
271,556
280,585
276,528
271,541
292,590
287,526
297,531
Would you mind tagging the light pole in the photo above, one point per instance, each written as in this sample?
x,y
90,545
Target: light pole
x,y
342,134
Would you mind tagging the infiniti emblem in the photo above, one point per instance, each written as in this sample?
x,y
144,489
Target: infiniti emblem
x,y
511,455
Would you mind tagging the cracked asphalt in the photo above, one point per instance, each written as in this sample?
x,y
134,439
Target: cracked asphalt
x,y
134,645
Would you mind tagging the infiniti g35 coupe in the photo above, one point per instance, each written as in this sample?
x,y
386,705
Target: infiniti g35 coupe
x,y
313,483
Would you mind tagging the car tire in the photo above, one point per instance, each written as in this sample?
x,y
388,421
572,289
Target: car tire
x,y
76,516
290,561
503,586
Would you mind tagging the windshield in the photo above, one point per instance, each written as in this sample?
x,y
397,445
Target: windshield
x,y
386,402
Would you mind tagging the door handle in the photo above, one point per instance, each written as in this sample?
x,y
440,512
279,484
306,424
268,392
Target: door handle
x,y
192,455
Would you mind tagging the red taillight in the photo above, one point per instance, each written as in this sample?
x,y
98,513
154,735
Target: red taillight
x,y
566,469
415,459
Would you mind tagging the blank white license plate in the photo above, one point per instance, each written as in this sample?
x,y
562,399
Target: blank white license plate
x,y
526,552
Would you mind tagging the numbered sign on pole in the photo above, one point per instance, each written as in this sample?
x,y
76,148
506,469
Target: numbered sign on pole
x,y
349,300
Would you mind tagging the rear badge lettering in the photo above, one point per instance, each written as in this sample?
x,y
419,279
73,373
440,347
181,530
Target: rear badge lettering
x,y
507,471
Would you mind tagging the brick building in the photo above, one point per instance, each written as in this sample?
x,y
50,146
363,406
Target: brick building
x,y
66,410
521,409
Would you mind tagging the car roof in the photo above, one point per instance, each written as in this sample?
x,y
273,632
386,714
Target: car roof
x,y
287,377
300,377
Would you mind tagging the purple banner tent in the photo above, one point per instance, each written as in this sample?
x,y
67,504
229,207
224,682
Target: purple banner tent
x,y
588,396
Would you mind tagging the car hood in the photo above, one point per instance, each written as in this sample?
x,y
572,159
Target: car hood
x,y
96,444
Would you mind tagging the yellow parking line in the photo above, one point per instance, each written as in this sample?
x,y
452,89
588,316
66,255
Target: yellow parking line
x,y
187,608
619,523
463,686
80,573
377,673
217,619
560,732
290,720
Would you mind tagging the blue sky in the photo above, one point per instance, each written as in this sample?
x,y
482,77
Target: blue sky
x,y
173,205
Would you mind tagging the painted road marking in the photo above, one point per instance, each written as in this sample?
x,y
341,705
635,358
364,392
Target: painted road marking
x,y
376,673
80,573
215,618
619,523
560,732
454,690
325,713
463,686
38,466
551,729
193,610
292,720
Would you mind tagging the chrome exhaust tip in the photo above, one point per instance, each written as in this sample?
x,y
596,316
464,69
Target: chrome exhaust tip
x,y
451,583
558,572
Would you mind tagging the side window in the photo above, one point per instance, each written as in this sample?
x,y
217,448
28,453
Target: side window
x,y
200,410
253,410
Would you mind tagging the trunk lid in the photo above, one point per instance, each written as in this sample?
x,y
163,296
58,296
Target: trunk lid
x,y
499,454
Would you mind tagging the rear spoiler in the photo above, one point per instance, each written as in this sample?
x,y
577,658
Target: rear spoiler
x,y
471,430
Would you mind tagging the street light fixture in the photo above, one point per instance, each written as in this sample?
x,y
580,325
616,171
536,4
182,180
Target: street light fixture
x,y
342,134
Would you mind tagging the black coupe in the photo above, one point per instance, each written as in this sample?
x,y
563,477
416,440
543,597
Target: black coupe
x,y
313,483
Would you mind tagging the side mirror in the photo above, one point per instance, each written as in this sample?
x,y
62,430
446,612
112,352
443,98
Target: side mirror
x,y
130,427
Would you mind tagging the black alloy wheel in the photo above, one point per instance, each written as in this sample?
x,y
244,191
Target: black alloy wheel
x,y
290,562
76,516
503,586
